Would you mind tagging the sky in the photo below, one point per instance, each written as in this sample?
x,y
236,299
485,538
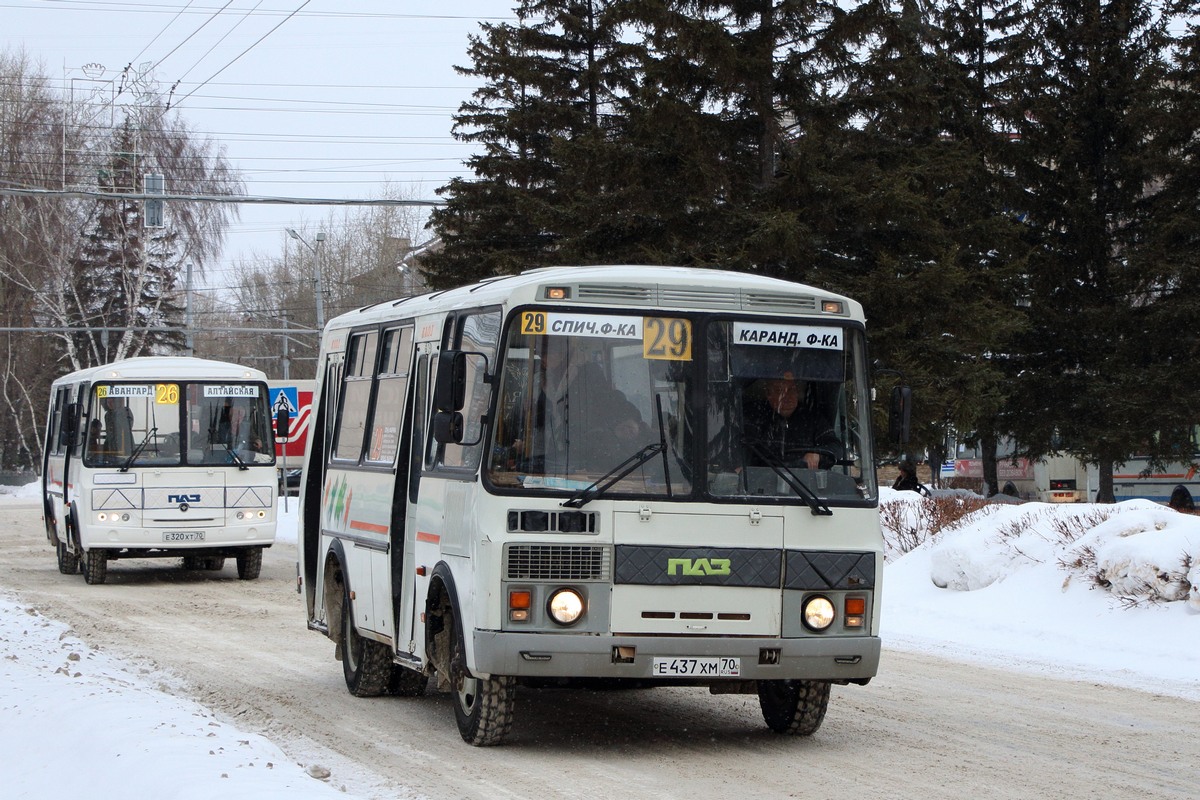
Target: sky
x,y
337,101
1007,603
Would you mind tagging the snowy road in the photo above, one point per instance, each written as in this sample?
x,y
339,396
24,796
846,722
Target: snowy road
x,y
926,728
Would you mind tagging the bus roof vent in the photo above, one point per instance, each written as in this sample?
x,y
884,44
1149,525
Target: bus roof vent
x,y
700,297
778,301
603,293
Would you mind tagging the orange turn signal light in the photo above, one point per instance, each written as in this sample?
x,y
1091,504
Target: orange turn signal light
x,y
518,605
856,606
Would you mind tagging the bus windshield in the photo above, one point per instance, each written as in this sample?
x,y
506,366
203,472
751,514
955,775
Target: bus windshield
x,y
179,423
732,408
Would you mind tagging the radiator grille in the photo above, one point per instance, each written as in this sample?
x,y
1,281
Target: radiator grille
x,y
553,562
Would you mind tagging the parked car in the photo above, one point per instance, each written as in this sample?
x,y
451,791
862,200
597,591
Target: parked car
x,y
291,480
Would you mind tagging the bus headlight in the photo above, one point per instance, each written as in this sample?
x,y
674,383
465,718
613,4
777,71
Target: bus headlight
x,y
818,613
566,606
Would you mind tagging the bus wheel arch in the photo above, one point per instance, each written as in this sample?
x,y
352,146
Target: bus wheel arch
x,y
335,593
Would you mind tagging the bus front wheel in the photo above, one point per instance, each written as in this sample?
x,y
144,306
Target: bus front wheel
x,y
366,663
249,563
483,707
95,565
793,707
68,562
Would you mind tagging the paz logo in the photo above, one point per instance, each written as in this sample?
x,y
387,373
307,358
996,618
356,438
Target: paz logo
x,y
698,566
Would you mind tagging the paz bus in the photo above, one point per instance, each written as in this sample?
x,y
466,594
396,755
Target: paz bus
x,y
456,523
159,457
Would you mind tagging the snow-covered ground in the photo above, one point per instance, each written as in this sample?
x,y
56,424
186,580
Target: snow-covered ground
x,y
1081,591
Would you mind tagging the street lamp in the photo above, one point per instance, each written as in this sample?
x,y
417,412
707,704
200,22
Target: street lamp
x,y
319,290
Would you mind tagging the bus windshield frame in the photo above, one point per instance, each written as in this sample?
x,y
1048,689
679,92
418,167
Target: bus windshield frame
x,y
682,397
182,423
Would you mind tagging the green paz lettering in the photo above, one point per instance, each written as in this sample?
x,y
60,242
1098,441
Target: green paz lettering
x,y
698,566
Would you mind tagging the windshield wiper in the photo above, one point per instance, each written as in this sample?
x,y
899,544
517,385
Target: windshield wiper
x,y
818,506
233,454
614,475
137,451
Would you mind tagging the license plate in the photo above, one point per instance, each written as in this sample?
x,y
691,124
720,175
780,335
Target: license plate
x,y
697,667
184,536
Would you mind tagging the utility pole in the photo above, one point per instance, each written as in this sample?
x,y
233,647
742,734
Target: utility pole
x,y
286,361
319,288
187,304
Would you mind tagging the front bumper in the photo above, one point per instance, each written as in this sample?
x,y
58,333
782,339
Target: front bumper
x,y
572,656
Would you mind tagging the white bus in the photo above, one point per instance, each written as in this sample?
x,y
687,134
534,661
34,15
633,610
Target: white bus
x,y
157,457
451,528
1135,479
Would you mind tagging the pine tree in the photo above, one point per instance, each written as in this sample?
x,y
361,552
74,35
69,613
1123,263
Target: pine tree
x,y
907,213
125,287
1088,103
547,86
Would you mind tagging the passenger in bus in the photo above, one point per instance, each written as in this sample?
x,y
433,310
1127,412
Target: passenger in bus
x,y
782,419
1181,500
228,424
118,427
257,452
579,421
95,432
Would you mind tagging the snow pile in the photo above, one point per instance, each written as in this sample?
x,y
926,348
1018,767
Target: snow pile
x,y
77,721
1138,551
1084,591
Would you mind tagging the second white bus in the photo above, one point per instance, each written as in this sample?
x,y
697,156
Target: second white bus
x,y
157,457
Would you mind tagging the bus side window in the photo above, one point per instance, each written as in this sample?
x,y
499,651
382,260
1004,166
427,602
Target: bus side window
x,y
387,415
356,395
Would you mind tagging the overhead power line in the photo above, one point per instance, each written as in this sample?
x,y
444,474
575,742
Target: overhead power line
x,y
83,194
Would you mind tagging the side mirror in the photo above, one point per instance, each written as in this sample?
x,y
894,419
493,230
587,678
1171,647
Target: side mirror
x,y
900,414
450,392
283,424
448,427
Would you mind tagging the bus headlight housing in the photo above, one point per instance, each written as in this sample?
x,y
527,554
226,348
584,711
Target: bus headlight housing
x,y
818,613
565,606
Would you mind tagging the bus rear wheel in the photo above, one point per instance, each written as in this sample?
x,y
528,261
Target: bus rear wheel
x,y
68,562
95,565
483,707
249,563
796,708
366,663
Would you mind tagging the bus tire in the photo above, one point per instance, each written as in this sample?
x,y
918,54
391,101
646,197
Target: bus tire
x,y
483,707
249,563
407,682
68,562
793,707
366,663
213,563
95,566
